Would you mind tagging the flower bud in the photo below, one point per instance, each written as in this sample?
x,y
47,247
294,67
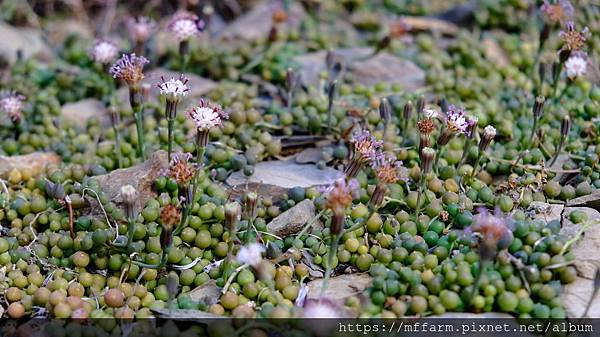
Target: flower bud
x,y
115,117
427,155
166,236
385,110
250,201
331,91
420,104
337,222
233,212
291,80
129,195
565,126
489,132
408,108
538,106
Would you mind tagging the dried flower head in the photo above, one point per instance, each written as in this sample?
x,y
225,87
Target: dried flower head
x,y
185,25
207,115
574,40
456,119
251,254
366,145
173,89
558,12
576,65
129,68
387,168
279,15
339,196
141,28
170,215
426,126
493,232
11,103
180,168
103,51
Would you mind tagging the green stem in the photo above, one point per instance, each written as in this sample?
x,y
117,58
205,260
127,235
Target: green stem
x,y
468,144
171,125
249,228
118,148
419,194
476,165
139,124
558,149
332,253
130,226
533,131
186,211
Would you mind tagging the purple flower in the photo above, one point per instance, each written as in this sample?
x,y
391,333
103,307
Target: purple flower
x,y
103,51
573,40
456,120
129,68
185,25
173,89
12,103
559,12
207,115
366,145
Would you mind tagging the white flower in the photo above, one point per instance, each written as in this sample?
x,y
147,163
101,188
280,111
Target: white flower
x,y
251,254
11,103
140,28
430,113
185,25
174,89
575,66
206,116
489,131
104,52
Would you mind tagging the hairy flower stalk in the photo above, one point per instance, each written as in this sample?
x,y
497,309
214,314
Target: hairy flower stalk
x,y
493,233
173,90
184,26
339,199
470,135
115,121
130,69
538,111
489,133
427,155
365,148
565,127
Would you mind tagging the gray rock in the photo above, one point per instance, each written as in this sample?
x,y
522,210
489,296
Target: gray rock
x,y
383,67
308,156
340,287
575,297
257,23
587,249
141,176
590,200
81,111
36,162
275,178
208,293
27,41
292,220
546,212
185,315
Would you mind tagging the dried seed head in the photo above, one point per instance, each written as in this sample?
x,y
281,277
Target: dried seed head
x,y
425,126
170,215
180,168
129,68
574,40
387,168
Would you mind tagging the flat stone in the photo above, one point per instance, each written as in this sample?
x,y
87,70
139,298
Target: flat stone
x,y
382,67
340,287
81,111
546,212
208,293
36,162
575,297
308,156
275,178
185,315
27,41
590,200
256,23
293,220
141,176
587,249
58,31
